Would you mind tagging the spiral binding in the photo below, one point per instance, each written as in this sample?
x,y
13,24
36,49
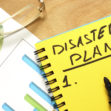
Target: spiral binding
x,y
50,90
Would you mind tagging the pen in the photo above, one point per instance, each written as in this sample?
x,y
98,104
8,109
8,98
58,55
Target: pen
x,y
108,87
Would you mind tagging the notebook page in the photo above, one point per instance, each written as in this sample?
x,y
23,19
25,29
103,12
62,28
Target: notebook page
x,y
80,59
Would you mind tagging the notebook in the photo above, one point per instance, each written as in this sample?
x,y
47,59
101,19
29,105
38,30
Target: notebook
x,y
75,63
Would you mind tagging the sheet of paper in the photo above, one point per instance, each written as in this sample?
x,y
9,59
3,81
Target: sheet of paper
x,y
15,74
11,41
80,59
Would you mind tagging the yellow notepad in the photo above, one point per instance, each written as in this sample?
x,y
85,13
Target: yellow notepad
x,y
75,63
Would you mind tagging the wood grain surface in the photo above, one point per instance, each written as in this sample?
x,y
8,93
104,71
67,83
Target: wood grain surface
x,y
62,15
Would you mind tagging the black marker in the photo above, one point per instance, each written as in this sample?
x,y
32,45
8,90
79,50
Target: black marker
x,y
108,87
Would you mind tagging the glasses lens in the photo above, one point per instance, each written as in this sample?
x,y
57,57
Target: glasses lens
x,y
27,15
24,16
1,36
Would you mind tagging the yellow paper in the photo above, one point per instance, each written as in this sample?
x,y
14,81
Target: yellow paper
x,y
80,59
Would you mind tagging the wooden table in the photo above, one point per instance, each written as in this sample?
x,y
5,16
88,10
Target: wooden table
x,y
62,15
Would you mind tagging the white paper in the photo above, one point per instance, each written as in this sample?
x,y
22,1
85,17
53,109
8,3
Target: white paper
x,y
10,42
16,75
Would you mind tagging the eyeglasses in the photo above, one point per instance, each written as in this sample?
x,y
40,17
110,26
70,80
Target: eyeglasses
x,y
25,16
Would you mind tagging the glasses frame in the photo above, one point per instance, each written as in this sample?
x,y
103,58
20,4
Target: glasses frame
x,y
40,14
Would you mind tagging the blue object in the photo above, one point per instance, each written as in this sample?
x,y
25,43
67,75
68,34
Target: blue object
x,y
6,107
41,93
35,110
32,64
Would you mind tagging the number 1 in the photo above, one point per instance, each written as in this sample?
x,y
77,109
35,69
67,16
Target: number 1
x,y
66,81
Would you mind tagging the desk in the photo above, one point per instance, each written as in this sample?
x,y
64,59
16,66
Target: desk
x,y
62,15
